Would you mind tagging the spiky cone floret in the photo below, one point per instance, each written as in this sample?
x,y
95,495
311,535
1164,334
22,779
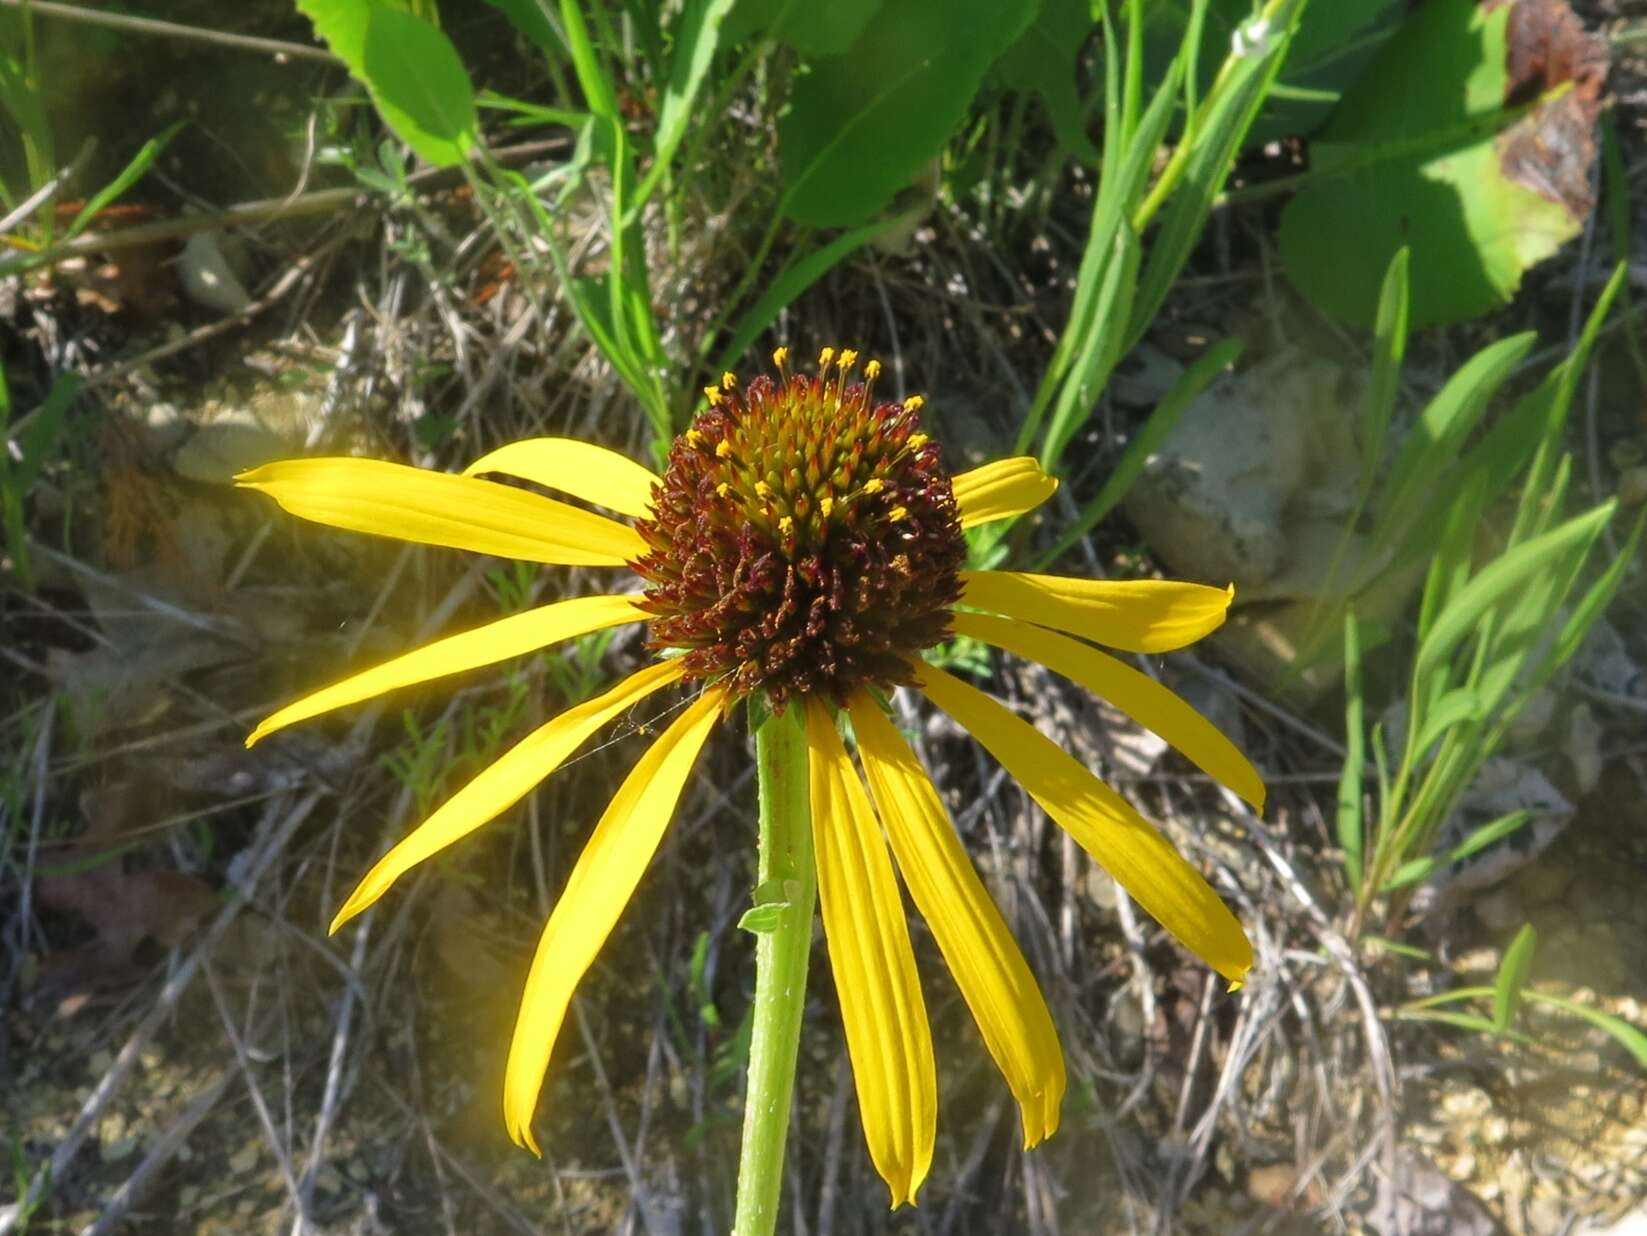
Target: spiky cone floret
x,y
804,544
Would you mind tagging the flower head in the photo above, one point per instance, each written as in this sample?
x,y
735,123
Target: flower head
x,y
804,543
805,540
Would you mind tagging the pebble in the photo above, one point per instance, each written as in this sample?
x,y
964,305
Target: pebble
x,y
1544,1217
1467,1104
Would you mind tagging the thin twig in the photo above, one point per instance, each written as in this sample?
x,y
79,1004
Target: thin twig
x,y
172,30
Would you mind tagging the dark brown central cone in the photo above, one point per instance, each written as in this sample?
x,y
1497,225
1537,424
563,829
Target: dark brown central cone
x,y
805,540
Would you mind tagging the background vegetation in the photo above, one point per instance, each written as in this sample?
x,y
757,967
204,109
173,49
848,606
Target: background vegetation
x,y
1331,299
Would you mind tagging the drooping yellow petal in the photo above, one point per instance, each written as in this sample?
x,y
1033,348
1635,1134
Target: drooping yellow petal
x,y
993,977
487,645
579,468
504,782
599,887
437,508
887,1035
1001,489
1136,694
1124,843
1135,615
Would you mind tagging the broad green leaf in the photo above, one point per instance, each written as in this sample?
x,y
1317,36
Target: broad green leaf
x,y
1412,157
862,124
810,28
1512,976
342,24
1044,60
412,70
420,86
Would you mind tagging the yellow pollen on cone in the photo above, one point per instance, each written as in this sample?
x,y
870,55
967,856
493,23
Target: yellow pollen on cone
x,y
917,441
824,357
729,379
780,358
898,514
872,370
786,526
826,505
693,437
713,394
914,403
723,448
723,489
849,358
762,489
874,485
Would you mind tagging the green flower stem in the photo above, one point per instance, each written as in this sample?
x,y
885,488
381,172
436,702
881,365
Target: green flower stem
x,y
786,895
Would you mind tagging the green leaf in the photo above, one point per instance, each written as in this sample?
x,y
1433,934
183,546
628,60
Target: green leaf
x,y
1412,156
1335,43
1218,138
1389,350
420,86
812,29
759,920
696,39
1512,976
1166,414
129,175
791,281
411,69
1433,445
861,125
1631,1039
1499,579
530,18
1459,704
1351,826
1043,61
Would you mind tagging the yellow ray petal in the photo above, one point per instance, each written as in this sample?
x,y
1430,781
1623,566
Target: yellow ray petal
x,y
599,887
579,468
887,1035
487,645
1118,838
1135,615
1002,489
1136,694
437,508
505,782
990,971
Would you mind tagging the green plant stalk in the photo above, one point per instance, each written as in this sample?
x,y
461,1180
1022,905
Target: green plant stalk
x,y
786,878
1178,163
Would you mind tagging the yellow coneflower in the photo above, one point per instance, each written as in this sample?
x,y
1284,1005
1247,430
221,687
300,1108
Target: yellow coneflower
x,y
803,545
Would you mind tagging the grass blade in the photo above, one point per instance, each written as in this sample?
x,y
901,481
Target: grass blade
x,y
1512,976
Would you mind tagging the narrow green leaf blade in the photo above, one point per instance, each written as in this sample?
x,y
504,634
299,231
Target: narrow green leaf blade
x,y
1512,976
